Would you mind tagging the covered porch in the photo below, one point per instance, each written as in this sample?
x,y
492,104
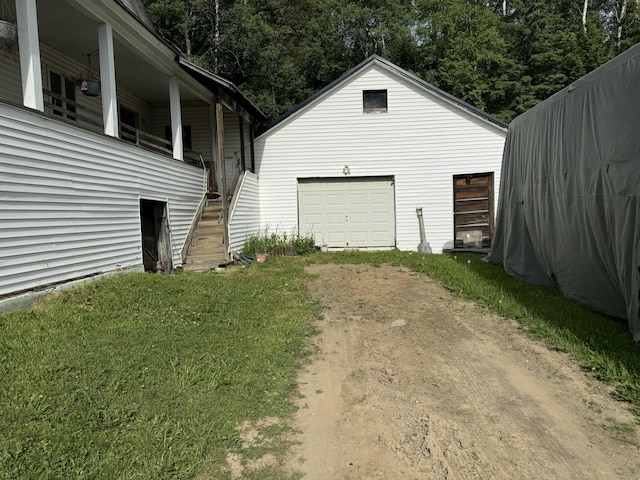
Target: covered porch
x,y
103,69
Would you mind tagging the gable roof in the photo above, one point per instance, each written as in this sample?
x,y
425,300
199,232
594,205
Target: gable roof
x,y
393,68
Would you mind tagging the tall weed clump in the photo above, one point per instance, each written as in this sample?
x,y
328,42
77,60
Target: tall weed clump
x,y
273,242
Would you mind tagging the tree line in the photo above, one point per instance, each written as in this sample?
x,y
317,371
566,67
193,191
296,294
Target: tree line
x,y
503,56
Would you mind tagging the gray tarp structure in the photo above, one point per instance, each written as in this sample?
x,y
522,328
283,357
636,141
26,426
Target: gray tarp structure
x,y
569,211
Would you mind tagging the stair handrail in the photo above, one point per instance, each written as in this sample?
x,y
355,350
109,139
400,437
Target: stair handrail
x,y
198,215
239,182
192,230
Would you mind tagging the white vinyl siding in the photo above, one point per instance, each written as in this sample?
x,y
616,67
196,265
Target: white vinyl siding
x,y
244,217
421,141
197,117
11,84
201,135
232,149
69,200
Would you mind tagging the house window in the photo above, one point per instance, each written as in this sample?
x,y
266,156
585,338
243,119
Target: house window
x,y
63,96
374,101
186,137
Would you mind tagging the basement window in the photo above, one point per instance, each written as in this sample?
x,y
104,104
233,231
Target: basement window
x,y
374,101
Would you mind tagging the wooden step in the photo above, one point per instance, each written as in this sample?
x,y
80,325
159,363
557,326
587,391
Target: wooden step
x,y
204,265
199,267
213,215
207,249
197,251
208,240
208,258
210,222
213,206
205,231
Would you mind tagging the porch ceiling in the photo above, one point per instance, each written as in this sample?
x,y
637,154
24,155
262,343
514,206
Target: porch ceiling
x,y
67,30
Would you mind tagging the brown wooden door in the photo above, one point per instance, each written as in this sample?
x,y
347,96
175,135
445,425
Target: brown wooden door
x,y
473,210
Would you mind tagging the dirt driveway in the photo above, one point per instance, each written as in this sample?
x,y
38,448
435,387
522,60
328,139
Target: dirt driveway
x,y
455,393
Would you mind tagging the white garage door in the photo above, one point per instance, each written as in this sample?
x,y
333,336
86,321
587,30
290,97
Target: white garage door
x,y
358,212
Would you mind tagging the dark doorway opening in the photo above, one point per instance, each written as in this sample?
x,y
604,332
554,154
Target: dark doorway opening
x,y
156,245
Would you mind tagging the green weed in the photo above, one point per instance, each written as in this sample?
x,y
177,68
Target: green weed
x,y
276,243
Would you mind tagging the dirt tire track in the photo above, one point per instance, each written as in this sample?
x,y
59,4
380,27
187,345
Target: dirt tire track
x,y
455,394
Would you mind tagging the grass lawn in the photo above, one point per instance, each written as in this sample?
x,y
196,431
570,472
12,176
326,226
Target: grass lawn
x,y
148,376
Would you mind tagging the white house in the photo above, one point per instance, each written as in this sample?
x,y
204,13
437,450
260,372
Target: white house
x,y
109,142
354,163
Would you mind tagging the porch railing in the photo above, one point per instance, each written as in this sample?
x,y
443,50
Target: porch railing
x,y
83,116
72,112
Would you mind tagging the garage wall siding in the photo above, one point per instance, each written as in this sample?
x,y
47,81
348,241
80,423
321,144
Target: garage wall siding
x,y
422,141
244,217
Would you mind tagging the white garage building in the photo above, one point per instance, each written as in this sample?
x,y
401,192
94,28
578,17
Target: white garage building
x,y
353,162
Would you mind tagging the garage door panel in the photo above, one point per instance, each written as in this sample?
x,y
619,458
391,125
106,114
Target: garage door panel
x,y
313,200
358,239
380,198
333,238
358,219
356,199
315,218
335,199
380,218
355,212
380,236
335,219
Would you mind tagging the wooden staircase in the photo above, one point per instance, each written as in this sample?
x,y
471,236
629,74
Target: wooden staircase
x,y
207,250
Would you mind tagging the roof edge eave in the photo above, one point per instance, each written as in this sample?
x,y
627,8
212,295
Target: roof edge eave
x,y
200,73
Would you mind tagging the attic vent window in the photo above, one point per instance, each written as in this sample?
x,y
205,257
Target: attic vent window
x,y
374,101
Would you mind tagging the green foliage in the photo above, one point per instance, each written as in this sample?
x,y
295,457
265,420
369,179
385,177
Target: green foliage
x,y
145,376
279,243
463,50
501,56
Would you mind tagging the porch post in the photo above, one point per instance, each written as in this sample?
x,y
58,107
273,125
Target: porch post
x,y
108,80
223,173
243,161
176,118
29,45
252,139
213,181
